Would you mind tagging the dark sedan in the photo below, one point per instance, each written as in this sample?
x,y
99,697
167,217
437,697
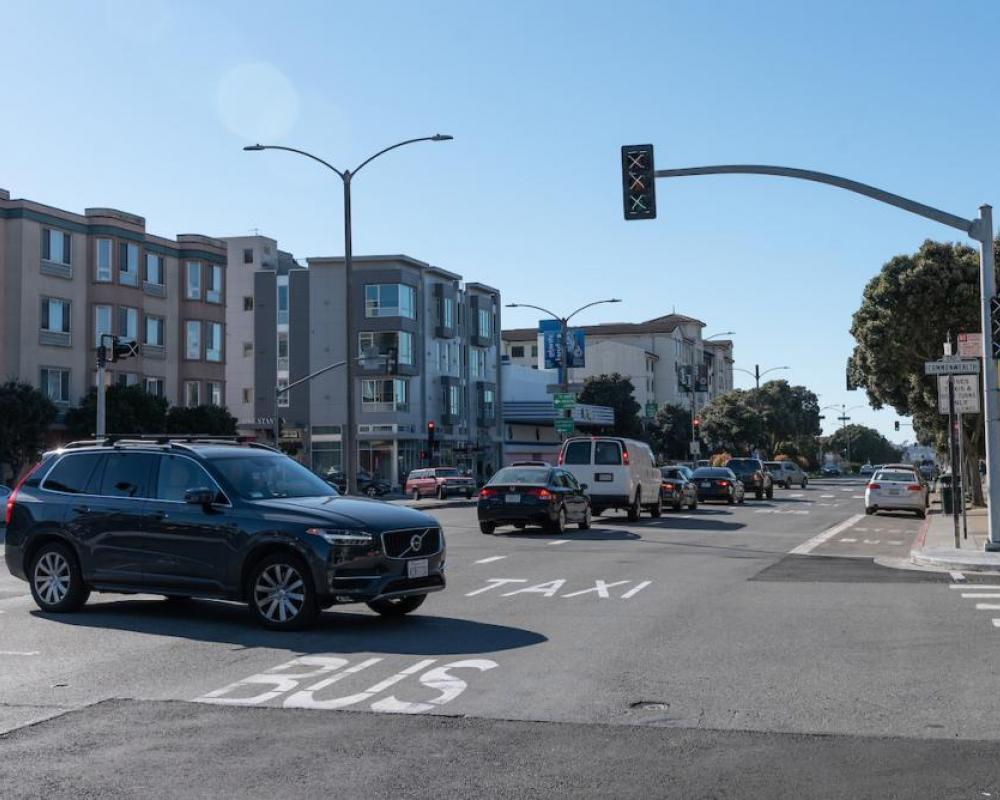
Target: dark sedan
x,y
522,496
676,489
718,483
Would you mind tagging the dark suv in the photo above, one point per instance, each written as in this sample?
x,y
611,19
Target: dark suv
x,y
754,475
199,518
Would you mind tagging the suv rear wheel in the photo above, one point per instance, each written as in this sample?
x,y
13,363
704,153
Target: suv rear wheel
x,y
56,582
656,510
281,595
397,606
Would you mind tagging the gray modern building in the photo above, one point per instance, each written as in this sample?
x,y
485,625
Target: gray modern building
x,y
444,336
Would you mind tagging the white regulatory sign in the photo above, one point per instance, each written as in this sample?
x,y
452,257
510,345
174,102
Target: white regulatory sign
x,y
951,367
966,394
970,345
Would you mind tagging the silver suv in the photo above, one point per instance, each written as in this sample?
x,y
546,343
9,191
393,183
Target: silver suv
x,y
787,474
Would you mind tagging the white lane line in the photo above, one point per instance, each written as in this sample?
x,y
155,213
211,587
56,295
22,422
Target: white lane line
x,y
808,546
957,576
857,497
488,560
559,541
996,622
846,540
987,606
894,541
827,496
976,586
982,595
847,490
797,494
19,653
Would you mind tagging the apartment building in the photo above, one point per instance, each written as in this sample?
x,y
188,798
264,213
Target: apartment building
x,y
67,278
661,356
445,337
256,267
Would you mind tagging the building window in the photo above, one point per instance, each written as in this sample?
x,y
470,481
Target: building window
x,y
454,400
247,255
126,379
154,386
154,331
248,395
154,269
248,303
128,264
485,324
214,391
517,351
282,350
102,323
477,362
247,348
213,284
213,341
56,246
534,351
385,395
448,312
192,290
55,384
128,323
380,342
192,340
282,303
488,410
192,393
283,398
103,260
390,300
55,315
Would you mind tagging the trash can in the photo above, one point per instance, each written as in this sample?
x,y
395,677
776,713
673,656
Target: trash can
x,y
948,493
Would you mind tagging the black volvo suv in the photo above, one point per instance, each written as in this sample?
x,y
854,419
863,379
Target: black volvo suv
x,y
201,518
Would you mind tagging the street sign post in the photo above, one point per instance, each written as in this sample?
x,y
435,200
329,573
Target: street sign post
x,y
695,448
564,400
966,391
564,424
951,366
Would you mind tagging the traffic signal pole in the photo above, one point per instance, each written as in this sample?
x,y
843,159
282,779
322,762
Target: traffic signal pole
x,y
980,229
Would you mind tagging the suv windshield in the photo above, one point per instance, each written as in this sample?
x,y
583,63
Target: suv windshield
x,y
446,473
265,477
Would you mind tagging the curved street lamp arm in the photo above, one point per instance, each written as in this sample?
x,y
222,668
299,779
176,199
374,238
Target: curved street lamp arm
x,y
357,169
293,150
537,308
772,369
968,226
595,303
748,372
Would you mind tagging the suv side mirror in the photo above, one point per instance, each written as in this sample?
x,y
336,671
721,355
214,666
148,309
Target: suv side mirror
x,y
201,496
584,486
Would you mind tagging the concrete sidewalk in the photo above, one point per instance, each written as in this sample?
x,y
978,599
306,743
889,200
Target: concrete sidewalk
x,y
935,546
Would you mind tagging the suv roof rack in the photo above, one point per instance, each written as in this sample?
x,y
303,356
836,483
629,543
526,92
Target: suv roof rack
x,y
165,440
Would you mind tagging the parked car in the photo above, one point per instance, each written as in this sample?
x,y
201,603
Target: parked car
x,y
621,473
529,464
787,474
917,476
231,521
866,469
677,489
753,475
718,483
830,471
545,496
439,482
895,490
367,483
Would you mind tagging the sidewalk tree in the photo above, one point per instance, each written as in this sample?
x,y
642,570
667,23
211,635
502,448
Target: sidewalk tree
x,y
617,392
790,413
865,445
731,422
25,416
670,431
906,313
208,420
130,410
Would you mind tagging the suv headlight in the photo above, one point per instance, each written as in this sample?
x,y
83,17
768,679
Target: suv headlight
x,y
342,536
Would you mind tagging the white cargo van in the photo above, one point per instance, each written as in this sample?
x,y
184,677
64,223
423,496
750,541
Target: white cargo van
x,y
619,473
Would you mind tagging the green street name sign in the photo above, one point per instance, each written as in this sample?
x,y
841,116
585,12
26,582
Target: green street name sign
x,y
564,425
562,401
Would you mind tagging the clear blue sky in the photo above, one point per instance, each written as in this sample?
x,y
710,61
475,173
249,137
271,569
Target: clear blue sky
x,y
144,106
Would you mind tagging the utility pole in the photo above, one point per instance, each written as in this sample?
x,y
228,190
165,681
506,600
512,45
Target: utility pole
x,y
118,350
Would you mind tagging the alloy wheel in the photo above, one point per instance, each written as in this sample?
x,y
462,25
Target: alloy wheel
x,y
52,578
279,593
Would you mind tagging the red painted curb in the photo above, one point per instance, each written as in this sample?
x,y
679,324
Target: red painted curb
x,y
918,542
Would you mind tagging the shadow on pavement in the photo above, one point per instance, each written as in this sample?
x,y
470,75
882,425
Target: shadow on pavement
x,y
335,632
594,534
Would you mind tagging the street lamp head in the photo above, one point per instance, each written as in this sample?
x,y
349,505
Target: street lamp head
x,y
254,147
512,305
441,137
614,300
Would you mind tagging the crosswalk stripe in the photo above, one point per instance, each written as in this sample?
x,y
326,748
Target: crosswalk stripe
x,y
488,560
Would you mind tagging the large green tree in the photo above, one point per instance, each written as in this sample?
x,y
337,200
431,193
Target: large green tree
x,y
906,313
209,420
25,416
731,422
862,444
616,391
131,410
670,431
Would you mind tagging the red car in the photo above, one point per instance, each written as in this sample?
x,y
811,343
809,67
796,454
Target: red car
x,y
439,482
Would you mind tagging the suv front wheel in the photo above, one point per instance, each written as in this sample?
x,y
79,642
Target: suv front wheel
x,y
281,595
56,582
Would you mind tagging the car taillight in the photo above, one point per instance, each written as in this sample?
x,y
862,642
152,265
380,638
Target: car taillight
x,y
9,511
624,455
668,486
722,483
874,486
540,493
487,492
914,487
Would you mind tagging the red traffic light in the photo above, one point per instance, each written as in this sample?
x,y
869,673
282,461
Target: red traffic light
x,y
697,422
430,426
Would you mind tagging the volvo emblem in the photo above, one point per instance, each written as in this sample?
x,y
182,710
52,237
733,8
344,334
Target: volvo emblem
x,y
415,541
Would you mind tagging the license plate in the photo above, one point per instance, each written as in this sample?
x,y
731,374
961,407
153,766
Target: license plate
x,y
706,484
416,568
512,498
894,491
604,476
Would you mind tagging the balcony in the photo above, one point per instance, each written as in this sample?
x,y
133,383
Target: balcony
x,y
57,269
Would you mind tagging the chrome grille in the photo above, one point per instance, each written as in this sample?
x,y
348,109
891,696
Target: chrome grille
x,y
412,543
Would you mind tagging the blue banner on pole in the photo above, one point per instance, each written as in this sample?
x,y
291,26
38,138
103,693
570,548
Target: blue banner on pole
x,y
551,345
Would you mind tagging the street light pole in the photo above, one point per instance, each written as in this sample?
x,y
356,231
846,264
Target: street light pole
x,y
981,230
349,432
757,374
693,387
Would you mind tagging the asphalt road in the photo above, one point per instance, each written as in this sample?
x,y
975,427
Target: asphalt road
x,y
769,650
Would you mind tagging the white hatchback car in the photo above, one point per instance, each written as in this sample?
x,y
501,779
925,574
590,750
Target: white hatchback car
x,y
895,490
